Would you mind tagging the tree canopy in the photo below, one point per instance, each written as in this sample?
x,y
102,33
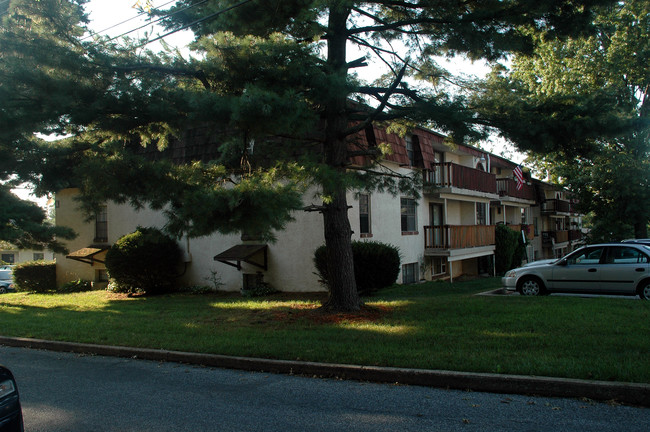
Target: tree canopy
x,y
591,99
272,83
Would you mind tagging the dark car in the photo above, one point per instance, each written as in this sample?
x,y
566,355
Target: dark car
x,y
11,414
612,268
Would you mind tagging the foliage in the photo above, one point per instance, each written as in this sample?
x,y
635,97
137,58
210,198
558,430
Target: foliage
x,y
79,285
273,91
196,289
260,290
583,104
24,225
143,261
510,249
376,265
35,276
215,280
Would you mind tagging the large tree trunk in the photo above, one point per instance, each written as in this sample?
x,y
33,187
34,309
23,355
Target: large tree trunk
x,y
343,289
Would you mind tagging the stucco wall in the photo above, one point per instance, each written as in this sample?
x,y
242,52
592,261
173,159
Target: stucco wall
x,y
290,265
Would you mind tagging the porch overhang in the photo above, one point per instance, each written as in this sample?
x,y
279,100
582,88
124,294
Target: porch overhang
x,y
88,255
256,255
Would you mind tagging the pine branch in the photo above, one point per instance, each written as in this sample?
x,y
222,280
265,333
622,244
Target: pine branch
x,y
199,75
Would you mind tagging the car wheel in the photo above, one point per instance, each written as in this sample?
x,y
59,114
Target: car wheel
x,y
644,290
531,287
3,289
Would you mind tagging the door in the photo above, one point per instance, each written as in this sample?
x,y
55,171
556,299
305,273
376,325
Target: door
x,y
622,269
437,168
436,221
579,271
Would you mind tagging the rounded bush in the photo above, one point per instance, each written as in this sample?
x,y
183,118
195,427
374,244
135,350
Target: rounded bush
x,y
376,265
35,276
144,261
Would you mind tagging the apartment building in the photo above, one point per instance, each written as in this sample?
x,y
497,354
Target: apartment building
x,y
445,232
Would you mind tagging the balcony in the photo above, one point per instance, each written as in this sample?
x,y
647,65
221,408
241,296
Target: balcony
x,y
554,237
556,206
450,175
458,236
507,188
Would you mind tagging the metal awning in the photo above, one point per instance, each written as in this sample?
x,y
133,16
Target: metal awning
x,y
87,255
252,254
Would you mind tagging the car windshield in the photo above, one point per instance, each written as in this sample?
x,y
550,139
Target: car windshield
x,y
5,274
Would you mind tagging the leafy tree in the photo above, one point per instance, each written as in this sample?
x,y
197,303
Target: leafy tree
x,y
591,97
273,83
24,225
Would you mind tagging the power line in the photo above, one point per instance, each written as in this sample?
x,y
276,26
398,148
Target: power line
x,y
124,22
158,20
196,22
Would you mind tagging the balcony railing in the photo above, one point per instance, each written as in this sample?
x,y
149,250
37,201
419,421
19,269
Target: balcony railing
x,y
508,187
453,175
549,237
556,206
458,236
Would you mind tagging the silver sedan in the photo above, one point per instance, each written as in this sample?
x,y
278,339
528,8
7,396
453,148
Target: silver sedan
x,y
613,268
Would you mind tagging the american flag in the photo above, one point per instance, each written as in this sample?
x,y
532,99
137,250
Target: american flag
x,y
519,177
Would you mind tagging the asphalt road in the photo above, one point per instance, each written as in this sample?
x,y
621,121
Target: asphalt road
x,y
70,392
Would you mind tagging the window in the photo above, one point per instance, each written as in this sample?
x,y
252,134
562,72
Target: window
x,y
8,258
481,214
536,226
413,151
410,273
39,256
408,215
589,256
101,225
409,150
626,255
364,215
101,275
438,266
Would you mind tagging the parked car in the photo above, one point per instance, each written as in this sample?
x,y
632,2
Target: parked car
x,y
613,268
6,280
639,241
11,414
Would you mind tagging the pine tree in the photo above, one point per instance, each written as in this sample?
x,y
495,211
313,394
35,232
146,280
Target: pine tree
x,y
271,76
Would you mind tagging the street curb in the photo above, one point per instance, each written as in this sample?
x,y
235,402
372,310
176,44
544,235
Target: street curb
x,y
620,392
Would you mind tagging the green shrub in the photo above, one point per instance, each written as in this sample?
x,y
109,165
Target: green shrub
x,y
78,285
510,249
376,265
144,261
35,276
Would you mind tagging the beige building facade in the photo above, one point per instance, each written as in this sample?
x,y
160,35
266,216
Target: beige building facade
x,y
446,232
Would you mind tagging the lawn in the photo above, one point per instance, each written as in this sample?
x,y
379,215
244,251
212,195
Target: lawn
x,y
432,326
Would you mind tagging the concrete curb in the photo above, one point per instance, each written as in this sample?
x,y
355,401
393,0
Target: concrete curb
x,y
626,393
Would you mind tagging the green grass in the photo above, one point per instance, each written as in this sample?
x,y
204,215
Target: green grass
x,y
432,326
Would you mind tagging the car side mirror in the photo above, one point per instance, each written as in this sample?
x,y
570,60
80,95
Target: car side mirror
x,y
562,263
